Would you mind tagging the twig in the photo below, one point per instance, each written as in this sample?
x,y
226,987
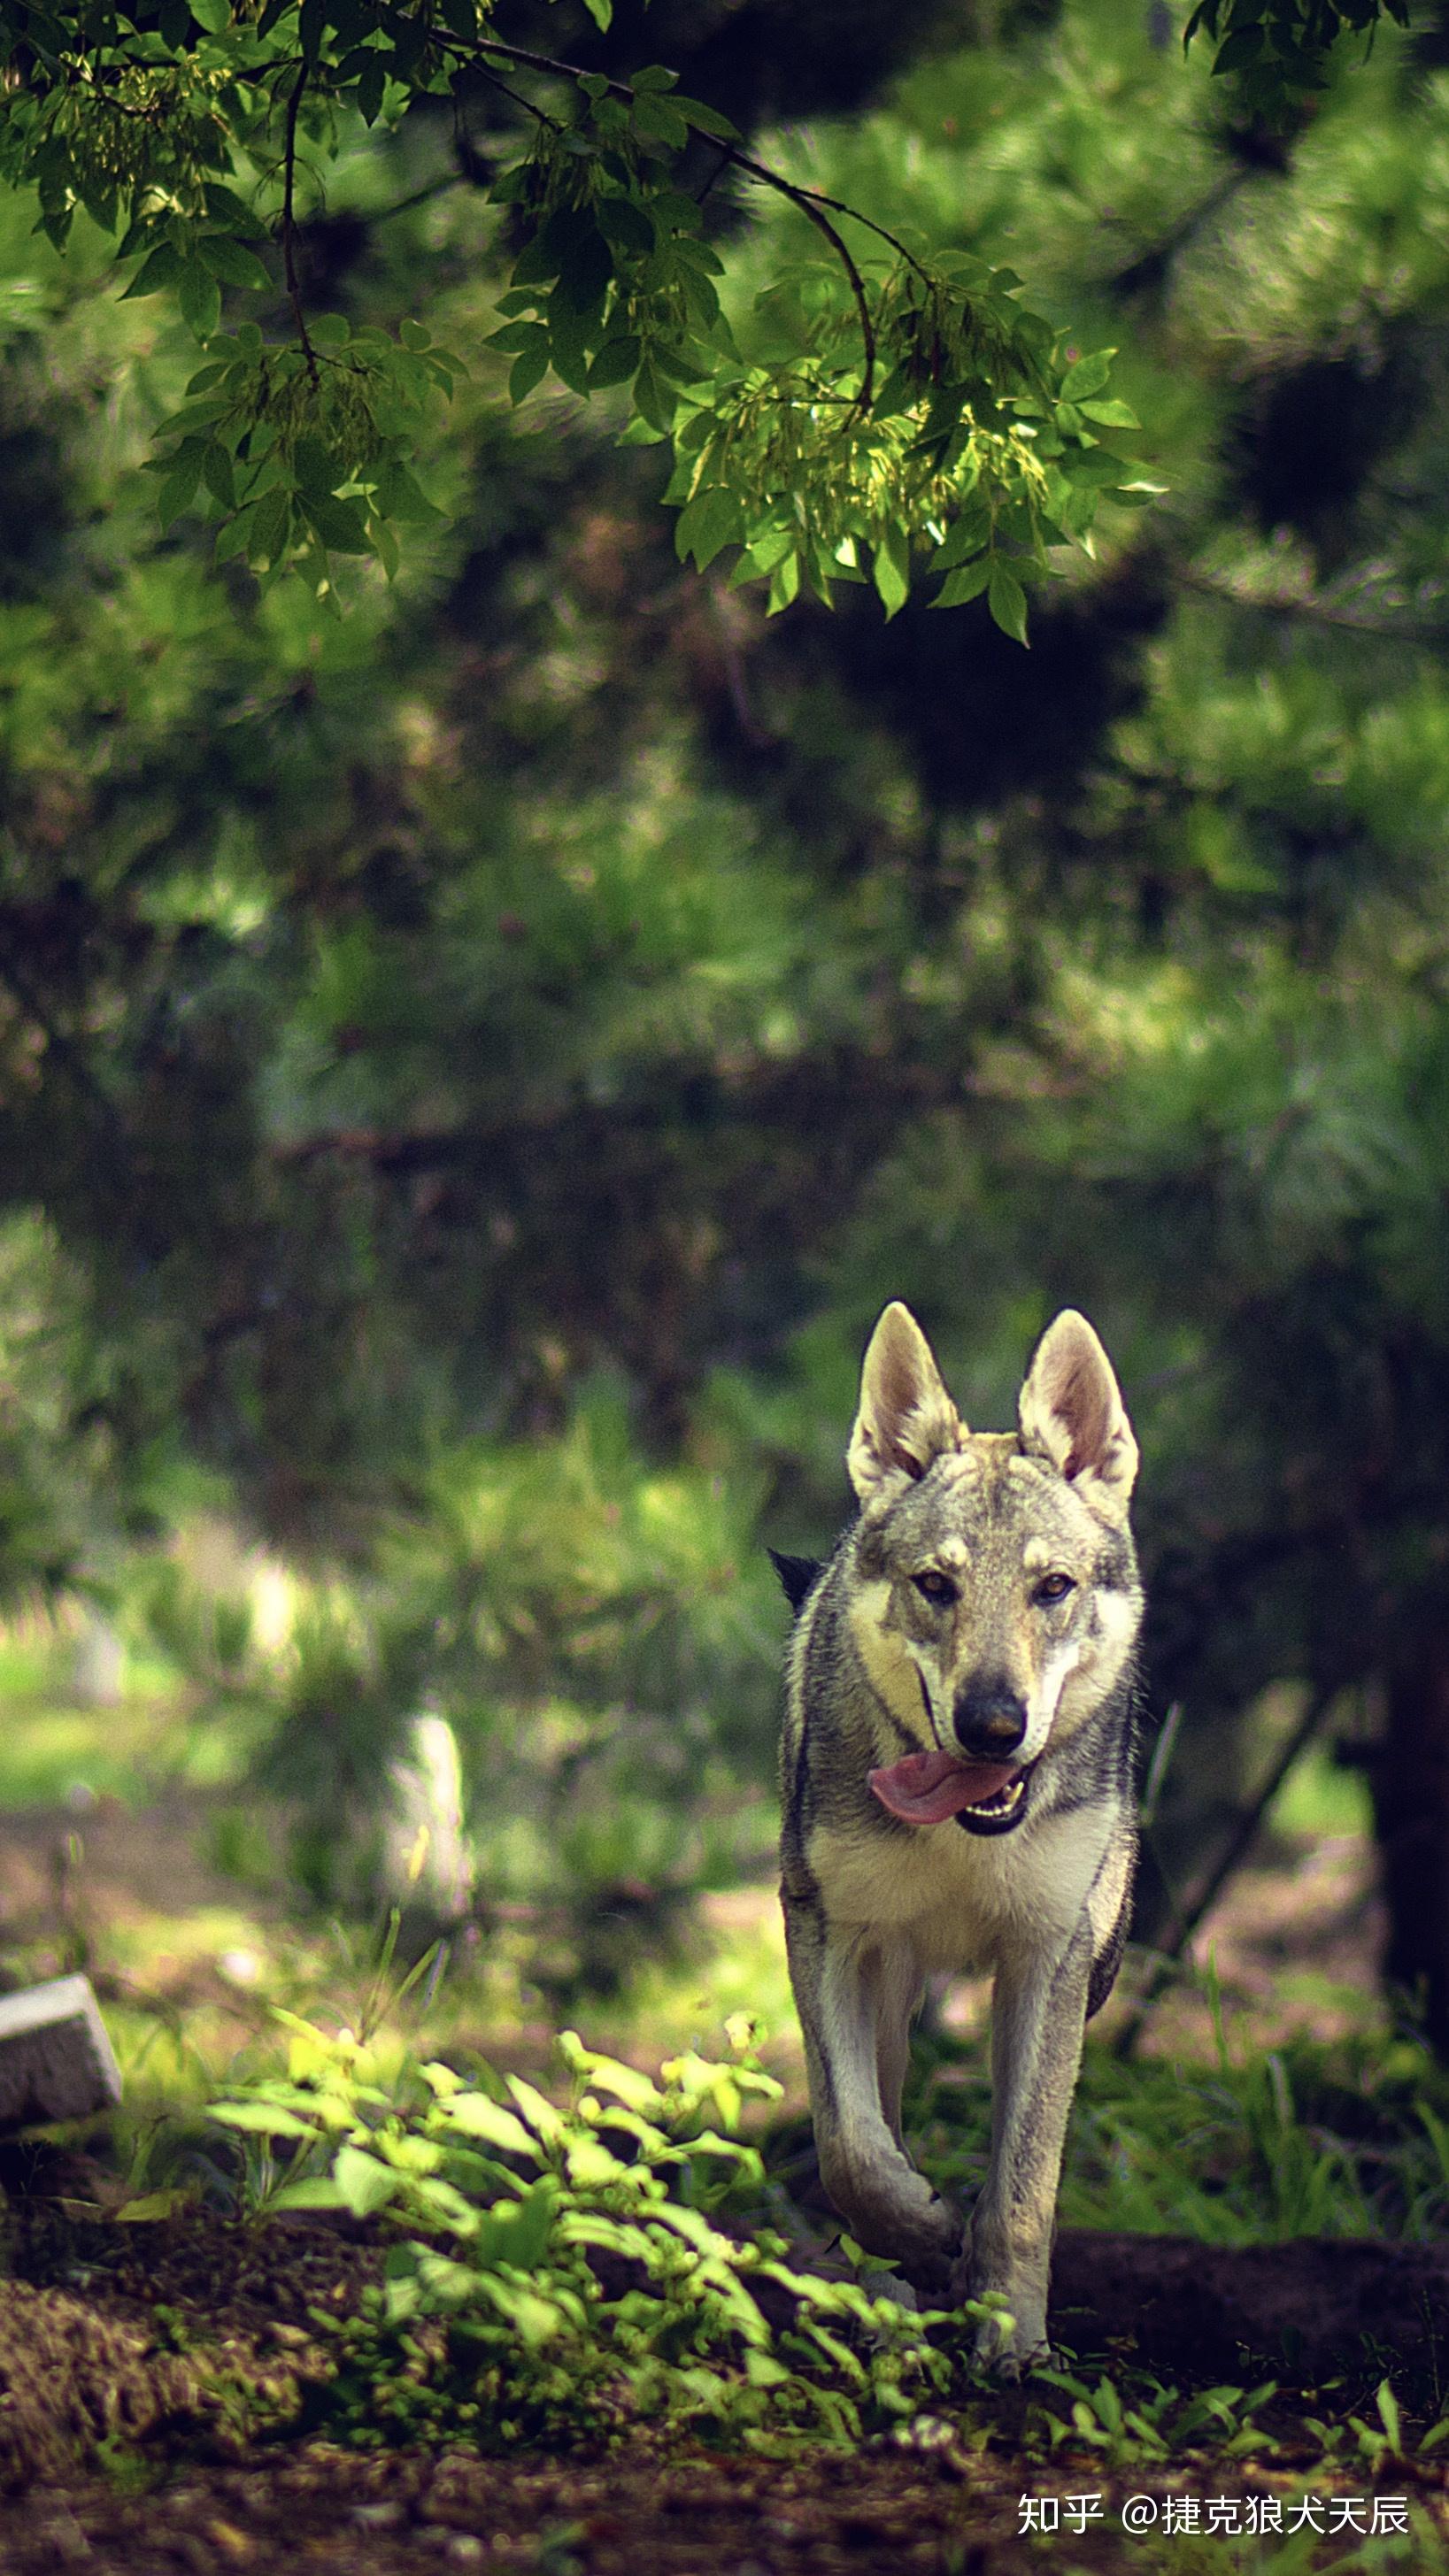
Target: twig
x,y
812,202
289,225
530,106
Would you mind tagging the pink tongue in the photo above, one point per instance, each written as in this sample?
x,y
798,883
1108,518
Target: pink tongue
x,y
925,1788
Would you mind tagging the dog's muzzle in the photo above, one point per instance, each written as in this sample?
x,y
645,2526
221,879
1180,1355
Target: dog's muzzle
x,y
1004,1810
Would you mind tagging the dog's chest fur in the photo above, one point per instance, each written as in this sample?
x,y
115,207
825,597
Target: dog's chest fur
x,y
960,1901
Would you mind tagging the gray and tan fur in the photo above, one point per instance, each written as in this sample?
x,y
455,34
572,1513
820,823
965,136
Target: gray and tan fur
x,y
983,1606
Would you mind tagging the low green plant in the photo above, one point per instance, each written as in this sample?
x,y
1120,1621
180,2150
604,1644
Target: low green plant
x,y
1341,2138
1134,2420
562,2271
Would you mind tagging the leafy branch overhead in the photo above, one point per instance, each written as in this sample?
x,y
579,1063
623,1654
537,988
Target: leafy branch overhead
x,y
877,406
1277,50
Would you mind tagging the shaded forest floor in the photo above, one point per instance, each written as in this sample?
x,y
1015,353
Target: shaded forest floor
x,y
157,2379
140,2364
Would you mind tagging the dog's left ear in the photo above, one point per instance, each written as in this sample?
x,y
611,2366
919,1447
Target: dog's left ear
x,y
1072,1414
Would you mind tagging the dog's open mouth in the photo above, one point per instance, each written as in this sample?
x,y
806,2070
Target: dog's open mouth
x,y
926,1788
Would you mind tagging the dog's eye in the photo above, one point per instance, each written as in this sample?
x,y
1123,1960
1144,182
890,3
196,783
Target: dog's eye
x,y
1054,1587
938,1589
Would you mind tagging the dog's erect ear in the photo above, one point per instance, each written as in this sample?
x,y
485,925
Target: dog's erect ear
x,y
906,1418
797,1573
1072,1414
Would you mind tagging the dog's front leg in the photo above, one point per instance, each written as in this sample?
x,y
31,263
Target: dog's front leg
x,y
855,1996
1038,2015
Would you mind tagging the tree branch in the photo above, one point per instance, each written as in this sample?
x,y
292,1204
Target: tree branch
x,y
289,222
1317,611
812,202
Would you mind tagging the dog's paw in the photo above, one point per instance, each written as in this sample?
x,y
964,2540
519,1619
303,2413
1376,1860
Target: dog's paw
x,y
1011,2337
1005,2361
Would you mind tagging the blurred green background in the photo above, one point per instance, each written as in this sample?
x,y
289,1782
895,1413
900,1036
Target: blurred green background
x,y
471,1070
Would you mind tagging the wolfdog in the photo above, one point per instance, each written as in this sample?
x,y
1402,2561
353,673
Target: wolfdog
x,y
957,1792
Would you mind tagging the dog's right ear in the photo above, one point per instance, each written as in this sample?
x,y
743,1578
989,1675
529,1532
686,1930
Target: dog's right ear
x,y
906,1418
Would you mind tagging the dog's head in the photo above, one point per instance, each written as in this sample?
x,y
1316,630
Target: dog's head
x,y
999,1599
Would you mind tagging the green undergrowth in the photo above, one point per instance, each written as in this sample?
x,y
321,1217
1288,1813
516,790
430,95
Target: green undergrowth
x,y
570,2268
561,2271
1348,2137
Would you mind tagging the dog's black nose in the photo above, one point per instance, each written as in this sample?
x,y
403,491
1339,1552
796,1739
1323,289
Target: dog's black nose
x,y
990,1721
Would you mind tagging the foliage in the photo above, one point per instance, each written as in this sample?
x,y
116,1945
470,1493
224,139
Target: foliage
x,y
866,413
600,1632
1262,2146
566,2275
555,968
1278,48
566,2271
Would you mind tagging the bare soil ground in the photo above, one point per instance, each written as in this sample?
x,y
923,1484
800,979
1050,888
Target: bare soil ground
x,y
121,2346
120,2448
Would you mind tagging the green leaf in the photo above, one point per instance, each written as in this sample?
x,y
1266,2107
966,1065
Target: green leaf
x,y
1088,375
225,207
400,496
658,118
615,362
236,537
314,2191
231,261
341,525
707,119
364,2181
1097,467
784,584
655,398
602,13
218,475
163,267
544,256
654,76
199,297
330,331
892,570
371,87
528,370
514,337
1240,49
713,519
317,470
585,273
177,494
213,15
1111,415
266,2118
542,2115
626,227
269,528
967,582
1007,602
389,553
